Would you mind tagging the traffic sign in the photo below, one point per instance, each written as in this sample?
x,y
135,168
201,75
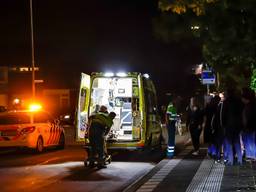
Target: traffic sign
x,y
208,77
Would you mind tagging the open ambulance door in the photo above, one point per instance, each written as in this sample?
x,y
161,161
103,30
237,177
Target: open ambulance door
x,y
83,107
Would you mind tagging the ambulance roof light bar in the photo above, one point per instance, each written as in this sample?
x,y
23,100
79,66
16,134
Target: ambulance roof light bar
x,y
118,74
121,74
112,74
108,74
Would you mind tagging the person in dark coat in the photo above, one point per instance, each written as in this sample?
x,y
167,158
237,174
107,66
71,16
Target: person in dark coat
x,y
249,123
209,134
194,123
218,130
231,120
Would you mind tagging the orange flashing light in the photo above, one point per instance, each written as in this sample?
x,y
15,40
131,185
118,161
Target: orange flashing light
x,y
35,107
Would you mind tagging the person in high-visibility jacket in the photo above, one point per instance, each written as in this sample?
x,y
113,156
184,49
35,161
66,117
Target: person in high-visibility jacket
x,y
99,127
171,118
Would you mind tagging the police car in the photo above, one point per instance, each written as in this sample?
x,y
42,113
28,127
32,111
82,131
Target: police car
x,y
34,129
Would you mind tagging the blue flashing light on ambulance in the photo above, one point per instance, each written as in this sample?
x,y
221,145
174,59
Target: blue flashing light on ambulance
x,y
132,96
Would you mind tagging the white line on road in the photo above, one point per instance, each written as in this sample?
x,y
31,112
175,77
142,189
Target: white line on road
x,y
52,159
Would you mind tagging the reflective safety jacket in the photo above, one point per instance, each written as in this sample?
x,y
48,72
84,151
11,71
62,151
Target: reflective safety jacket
x,y
171,112
103,119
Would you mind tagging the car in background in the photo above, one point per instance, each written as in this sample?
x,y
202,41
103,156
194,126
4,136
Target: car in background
x,y
30,129
67,119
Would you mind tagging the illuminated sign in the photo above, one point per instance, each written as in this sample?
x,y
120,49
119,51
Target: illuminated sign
x,y
208,77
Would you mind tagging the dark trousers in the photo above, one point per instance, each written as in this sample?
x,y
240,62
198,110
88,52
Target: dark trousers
x,y
232,147
96,138
218,142
249,144
195,136
171,138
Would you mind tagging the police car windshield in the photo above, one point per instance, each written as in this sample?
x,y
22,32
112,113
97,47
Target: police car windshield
x,y
9,119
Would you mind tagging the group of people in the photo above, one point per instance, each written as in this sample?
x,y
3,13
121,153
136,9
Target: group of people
x,y
99,126
228,124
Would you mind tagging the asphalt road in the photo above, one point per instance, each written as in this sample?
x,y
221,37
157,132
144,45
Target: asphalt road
x,y
63,170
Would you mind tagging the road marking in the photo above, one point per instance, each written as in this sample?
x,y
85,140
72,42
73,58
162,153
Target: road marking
x,y
160,175
207,178
52,159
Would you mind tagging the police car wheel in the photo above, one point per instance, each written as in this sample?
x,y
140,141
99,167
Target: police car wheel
x,y
40,145
61,141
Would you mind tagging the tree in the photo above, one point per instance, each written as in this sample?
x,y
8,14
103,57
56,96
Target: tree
x,y
253,80
225,28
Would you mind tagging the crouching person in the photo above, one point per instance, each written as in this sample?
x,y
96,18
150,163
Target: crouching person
x,y
100,124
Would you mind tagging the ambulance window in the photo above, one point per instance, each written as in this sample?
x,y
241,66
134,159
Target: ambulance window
x,y
148,102
82,99
135,104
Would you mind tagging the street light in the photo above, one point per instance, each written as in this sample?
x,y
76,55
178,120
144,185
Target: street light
x,y
32,51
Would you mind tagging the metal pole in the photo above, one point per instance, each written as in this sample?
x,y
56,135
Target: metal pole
x,y
218,81
32,51
208,89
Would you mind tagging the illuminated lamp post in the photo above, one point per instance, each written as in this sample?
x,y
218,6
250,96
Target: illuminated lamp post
x,y
32,52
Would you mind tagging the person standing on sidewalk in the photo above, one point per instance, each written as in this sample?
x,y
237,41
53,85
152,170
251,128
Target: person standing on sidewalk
x,y
249,123
194,123
209,133
171,118
218,130
231,119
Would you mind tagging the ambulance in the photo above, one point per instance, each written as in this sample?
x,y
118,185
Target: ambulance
x,y
132,96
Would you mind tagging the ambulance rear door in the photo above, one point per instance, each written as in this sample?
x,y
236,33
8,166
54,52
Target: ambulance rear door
x,y
83,107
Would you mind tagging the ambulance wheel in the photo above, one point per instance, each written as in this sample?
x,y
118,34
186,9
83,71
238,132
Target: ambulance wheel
x,y
148,146
39,145
159,143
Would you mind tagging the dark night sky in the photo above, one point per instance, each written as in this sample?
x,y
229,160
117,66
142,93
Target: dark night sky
x,y
85,36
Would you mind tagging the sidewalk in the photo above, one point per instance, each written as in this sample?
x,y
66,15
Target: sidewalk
x,y
199,173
